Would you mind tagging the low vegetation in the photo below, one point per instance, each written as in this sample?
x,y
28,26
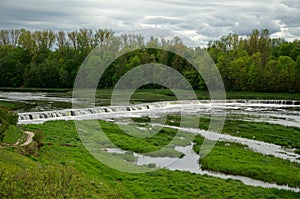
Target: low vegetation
x,y
7,118
13,135
236,159
272,133
21,177
63,168
63,148
64,152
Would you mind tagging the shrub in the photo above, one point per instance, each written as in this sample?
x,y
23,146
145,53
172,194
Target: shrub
x,y
38,137
151,165
6,118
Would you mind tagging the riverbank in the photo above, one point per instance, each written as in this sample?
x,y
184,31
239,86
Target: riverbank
x,y
64,150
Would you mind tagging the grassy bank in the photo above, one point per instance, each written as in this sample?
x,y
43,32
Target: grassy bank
x,y
12,135
11,105
229,158
272,133
62,148
236,159
150,95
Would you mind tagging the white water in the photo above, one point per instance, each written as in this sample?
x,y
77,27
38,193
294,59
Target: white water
x,y
190,163
31,96
281,112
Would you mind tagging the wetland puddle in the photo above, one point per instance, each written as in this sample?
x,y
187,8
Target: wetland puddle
x,y
190,163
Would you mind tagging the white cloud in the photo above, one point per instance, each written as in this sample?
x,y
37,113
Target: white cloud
x,y
200,20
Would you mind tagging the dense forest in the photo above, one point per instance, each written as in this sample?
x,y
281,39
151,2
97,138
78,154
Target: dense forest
x,y
48,59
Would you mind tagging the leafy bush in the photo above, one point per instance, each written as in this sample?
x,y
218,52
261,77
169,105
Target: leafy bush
x,y
6,118
3,128
38,137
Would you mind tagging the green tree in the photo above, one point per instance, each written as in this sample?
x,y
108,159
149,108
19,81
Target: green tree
x,y
286,77
255,74
4,37
297,75
271,74
26,41
237,72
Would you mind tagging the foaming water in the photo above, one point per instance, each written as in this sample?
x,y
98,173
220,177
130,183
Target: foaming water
x,y
281,112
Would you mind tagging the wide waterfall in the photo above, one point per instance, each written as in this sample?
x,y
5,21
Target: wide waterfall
x,y
170,106
79,112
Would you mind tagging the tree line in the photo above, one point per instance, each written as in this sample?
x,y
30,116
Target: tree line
x,y
48,59
257,62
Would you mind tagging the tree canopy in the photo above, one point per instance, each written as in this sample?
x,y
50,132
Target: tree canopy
x,y
48,59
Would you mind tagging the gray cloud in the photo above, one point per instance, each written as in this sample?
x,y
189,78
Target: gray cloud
x,y
242,25
200,20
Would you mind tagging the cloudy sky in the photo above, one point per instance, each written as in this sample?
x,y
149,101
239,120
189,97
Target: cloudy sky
x,y
200,20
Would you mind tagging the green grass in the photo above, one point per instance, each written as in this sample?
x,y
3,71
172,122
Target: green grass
x,y
151,95
236,159
13,160
233,159
262,96
154,95
271,133
141,145
11,105
12,135
115,184
21,177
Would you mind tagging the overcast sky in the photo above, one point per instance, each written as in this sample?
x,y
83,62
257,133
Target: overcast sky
x,y
200,20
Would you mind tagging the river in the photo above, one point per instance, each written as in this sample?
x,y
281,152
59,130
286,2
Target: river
x,y
282,112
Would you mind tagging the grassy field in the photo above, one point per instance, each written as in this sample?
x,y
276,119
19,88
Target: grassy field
x,y
63,149
11,105
231,158
272,133
12,135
